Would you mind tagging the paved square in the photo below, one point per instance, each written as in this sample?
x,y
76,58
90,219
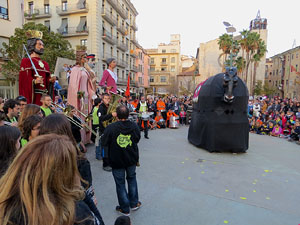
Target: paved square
x,y
181,184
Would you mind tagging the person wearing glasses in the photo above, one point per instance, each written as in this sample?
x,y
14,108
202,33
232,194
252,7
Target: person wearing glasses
x,y
23,102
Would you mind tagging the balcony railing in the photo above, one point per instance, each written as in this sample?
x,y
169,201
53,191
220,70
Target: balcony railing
x,y
121,28
37,13
121,11
72,9
107,55
122,81
134,41
109,17
163,63
107,36
134,26
122,63
73,31
122,46
160,72
113,3
133,68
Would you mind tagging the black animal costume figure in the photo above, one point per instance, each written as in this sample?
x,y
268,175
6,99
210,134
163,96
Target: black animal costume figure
x,y
219,120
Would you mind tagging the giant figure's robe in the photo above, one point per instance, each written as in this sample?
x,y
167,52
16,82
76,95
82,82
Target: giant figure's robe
x,y
218,126
27,88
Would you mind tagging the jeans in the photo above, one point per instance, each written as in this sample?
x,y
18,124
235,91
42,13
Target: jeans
x,y
125,199
98,151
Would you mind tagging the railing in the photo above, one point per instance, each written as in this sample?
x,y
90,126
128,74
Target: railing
x,y
122,63
121,28
121,11
109,17
163,63
73,31
38,13
122,81
122,46
133,68
134,26
74,8
107,36
113,3
132,53
107,55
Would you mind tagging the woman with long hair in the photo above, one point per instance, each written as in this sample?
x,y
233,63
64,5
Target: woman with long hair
x,y
30,109
31,128
10,144
59,124
42,186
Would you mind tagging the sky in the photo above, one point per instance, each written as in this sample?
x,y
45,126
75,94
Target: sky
x,y
199,21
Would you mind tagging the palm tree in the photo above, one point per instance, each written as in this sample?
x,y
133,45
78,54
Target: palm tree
x,y
225,42
240,64
260,52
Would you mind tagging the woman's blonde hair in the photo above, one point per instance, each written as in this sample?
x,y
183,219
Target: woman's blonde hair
x,y
29,110
42,184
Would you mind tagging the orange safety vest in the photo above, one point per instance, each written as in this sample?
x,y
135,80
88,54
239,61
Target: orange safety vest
x,y
160,105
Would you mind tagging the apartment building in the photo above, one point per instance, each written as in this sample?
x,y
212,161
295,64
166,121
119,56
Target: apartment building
x,y
165,65
107,28
286,73
11,17
143,68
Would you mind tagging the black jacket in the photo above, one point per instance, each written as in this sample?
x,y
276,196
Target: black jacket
x,y
122,138
103,116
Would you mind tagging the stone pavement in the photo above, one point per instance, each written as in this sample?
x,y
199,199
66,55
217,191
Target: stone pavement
x,y
180,184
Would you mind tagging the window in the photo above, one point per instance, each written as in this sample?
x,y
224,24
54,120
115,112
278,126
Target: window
x,y
103,67
4,9
31,7
123,74
173,60
152,61
292,56
164,60
163,79
152,68
173,50
118,72
64,6
46,9
151,78
172,68
163,50
47,24
83,42
163,68
140,80
296,67
111,51
103,48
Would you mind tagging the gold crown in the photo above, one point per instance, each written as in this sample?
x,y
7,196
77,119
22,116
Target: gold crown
x,y
34,34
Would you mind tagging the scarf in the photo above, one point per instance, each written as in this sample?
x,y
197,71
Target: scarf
x,y
113,75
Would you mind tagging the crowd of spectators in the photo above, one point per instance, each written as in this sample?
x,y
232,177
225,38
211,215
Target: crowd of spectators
x,y
276,117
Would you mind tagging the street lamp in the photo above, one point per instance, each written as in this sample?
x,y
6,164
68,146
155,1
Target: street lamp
x,y
230,29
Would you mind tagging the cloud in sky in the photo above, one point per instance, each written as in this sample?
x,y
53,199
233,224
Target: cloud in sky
x,y
202,21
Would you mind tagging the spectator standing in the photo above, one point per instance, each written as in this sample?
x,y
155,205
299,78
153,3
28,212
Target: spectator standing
x,y
11,109
22,101
30,128
121,139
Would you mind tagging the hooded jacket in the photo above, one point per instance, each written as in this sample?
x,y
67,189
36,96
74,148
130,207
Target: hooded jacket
x,y
122,138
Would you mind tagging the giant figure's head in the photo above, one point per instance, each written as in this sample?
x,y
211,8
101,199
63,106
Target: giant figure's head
x,y
35,45
230,82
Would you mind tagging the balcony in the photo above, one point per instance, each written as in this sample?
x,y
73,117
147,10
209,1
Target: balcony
x,y
121,11
134,26
166,72
134,41
106,56
72,9
109,17
163,63
132,53
37,14
122,63
108,37
122,29
122,46
113,3
133,68
73,31
122,81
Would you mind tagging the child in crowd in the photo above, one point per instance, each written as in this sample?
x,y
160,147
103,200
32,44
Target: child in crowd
x,y
277,130
182,115
295,132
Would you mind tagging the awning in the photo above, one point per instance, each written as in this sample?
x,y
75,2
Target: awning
x,y
81,4
120,90
63,26
82,24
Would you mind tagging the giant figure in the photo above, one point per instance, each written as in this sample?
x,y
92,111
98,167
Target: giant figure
x,y
32,85
219,120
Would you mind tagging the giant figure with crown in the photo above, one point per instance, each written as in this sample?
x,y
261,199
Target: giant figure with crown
x,y
34,83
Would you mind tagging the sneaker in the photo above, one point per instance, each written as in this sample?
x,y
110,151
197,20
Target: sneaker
x,y
118,208
138,205
107,168
146,137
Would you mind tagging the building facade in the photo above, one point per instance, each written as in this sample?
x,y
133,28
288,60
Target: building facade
x,y
286,73
142,76
11,17
107,28
165,65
